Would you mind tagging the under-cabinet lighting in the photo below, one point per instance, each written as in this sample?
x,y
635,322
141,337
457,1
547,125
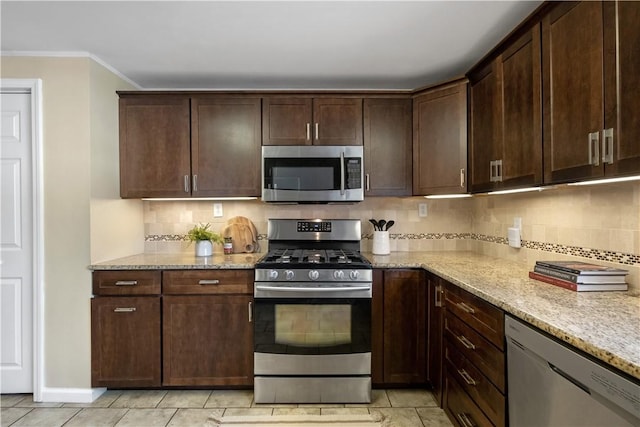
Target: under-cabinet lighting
x,y
196,199
448,196
516,190
607,181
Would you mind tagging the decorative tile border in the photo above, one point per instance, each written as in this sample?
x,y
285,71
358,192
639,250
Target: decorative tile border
x,y
595,254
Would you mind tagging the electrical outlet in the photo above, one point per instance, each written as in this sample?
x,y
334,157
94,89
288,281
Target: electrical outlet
x,y
422,210
217,210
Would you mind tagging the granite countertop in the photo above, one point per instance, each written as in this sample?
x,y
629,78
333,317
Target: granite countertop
x,y
605,325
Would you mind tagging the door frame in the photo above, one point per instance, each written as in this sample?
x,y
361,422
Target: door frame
x,y
34,88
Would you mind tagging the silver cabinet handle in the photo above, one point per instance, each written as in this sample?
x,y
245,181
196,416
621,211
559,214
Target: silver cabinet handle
x,y
465,421
124,309
126,282
195,183
462,177
492,175
466,308
342,173
317,131
366,180
250,312
594,148
499,170
308,131
186,183
209,282
465,342
438,296
466,377
607,146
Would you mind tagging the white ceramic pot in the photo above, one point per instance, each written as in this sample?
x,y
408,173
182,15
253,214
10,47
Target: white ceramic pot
x,y
380,243
204,248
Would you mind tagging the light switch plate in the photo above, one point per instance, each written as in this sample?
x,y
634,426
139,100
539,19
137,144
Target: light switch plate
x,y
422,210
217,210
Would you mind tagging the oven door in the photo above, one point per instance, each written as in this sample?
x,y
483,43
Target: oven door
x,y
312,174
312,326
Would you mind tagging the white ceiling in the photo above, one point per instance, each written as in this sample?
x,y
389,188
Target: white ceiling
x,y
266,44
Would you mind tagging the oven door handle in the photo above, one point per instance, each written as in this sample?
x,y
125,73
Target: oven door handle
x,y
307,289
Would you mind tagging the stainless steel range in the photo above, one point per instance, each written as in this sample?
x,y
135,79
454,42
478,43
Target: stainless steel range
x,y
312,314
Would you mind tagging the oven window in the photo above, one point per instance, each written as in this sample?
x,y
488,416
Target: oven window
x,y
304,325
312,326
316,174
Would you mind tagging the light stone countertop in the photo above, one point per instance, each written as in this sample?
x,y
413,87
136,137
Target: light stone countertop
x,y
605,325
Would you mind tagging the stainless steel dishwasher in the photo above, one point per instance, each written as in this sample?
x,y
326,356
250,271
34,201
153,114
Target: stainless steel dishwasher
x,y
552,385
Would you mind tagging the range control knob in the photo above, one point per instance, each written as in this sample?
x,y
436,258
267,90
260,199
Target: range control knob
x,y
313,275
354,274
273,274
338,275
288,275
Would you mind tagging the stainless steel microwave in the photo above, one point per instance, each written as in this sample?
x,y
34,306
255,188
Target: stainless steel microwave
x,y
312,174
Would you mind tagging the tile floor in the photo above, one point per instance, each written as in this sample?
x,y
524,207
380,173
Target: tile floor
x,y
141,408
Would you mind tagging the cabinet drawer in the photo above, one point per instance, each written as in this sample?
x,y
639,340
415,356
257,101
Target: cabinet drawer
x,y
485,356
477,386
460,407
185,282
479,314
126,282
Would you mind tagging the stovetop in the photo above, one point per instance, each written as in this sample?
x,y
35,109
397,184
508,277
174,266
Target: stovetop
x,y
313,258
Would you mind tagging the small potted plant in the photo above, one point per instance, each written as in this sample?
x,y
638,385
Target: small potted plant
x,y
204,238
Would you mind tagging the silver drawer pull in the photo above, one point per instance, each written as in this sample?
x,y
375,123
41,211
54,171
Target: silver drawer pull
x,y
466,308
124,309
465,420
126,282
209,282
465,342
466,377
250,311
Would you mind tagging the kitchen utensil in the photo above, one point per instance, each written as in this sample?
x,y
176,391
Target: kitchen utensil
x,y
376,227
243,234
381,224
389,225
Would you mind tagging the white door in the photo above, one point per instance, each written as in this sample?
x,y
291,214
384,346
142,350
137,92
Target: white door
x,y
16,251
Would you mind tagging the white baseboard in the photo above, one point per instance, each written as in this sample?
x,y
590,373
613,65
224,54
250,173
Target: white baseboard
x,y
71,395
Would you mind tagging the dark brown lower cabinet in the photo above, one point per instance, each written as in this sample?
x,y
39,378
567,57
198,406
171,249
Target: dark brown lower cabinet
x,y
460,408
434,335
399,337
207,340
125,341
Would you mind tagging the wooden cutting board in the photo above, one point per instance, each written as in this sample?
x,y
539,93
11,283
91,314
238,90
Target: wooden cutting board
x,y
243,233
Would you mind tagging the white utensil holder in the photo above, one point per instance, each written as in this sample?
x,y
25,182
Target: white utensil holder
x,y
381,243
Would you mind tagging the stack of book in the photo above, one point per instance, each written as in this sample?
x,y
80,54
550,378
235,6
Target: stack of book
x,y
580,276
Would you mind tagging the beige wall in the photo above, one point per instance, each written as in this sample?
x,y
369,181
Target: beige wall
x,y
77,95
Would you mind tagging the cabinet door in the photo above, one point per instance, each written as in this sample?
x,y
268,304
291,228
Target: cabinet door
x,y
622,87
226,150
486,138
155,156
387,146
404,327
440,141
207,340
572,49
434,335
337,121
522,112
286,121
125,342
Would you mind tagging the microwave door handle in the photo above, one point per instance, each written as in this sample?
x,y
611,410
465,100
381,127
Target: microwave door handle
x,y
342,173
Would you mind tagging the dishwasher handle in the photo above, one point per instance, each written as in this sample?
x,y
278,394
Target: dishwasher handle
x,y
569,378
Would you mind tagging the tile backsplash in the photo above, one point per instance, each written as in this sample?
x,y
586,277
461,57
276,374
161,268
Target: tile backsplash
x,y
596,223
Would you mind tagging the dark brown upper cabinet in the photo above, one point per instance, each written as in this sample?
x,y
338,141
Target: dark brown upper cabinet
x,y
183,146
505,110
312,121
440,140
387,147
591,86
155,153
225,146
